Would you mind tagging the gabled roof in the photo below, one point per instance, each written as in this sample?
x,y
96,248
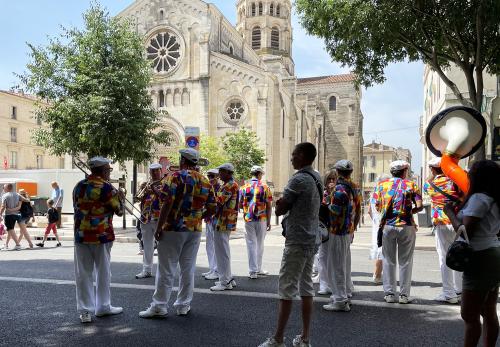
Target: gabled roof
x,y
327,79
21,95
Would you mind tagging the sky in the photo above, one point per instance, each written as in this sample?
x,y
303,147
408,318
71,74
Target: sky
x,y
391,110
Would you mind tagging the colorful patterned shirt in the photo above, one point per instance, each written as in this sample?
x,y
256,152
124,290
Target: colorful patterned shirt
x,y
344,203
227,207
254,197
95,201
190,194
438,200
150,207
405,196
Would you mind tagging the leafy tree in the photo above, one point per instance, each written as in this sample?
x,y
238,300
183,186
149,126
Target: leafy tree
x,y
243,152
211,149
95,81
369,34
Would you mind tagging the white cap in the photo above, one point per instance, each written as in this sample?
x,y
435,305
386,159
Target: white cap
x,y
257,168
98,162
435,162
213,171
227,166
155,166
399,165
343,164
190,154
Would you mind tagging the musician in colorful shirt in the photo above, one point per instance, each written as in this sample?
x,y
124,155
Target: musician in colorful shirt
x,y
225,223
344,204
398,199
187,198
441,190
150,212
211,274
95,201
255,201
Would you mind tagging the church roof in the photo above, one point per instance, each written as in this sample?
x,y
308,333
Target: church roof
x,y
327,79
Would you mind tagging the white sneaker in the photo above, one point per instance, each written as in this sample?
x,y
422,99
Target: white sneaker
x,y
17,248
253,275
324,292
263,273
206,273
315,279
143,274
390,298
112,311
403,299
153,311
212,276
443,298
377,281
299,342
233,283
141,252
183,311
337,307
85,317
219,286
271,342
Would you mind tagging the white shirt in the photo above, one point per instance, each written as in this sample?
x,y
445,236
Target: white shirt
x,y
484,235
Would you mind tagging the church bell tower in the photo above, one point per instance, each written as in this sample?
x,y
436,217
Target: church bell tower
x,y
266,26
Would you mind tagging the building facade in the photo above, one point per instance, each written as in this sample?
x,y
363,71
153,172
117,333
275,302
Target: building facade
x,y
17,122
221,78
376,162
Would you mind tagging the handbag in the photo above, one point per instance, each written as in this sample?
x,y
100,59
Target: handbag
x,y
383,217
460,253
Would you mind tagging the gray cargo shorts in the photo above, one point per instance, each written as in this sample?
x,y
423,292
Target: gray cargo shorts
x,y
296,272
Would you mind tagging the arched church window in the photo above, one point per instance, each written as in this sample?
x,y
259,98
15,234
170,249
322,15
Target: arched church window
x,y
271,9
234,112
164,51
161,99
177,97
161,15
333,103
275,38
253,9
261,8
185,97
256,38
278,10
231,50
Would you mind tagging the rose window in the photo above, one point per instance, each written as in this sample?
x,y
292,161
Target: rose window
x,y
164,51
235,111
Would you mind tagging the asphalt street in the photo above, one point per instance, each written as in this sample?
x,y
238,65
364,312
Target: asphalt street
x,y
38,308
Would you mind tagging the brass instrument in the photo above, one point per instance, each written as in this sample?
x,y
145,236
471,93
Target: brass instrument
x,y
148,188
121,192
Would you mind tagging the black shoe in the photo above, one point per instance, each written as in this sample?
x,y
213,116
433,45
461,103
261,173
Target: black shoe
x,y
40,244
58,244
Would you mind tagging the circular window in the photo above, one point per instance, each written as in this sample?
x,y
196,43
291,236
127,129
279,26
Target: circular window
x,y
164,51
234,112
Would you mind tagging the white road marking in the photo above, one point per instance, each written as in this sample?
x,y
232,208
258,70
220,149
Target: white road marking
x,y
263,295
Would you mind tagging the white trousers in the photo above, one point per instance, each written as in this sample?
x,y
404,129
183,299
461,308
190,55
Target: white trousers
x,y
452,280
212,262
255,234
398,242
176,249
324,278
375,251
148,241
90,261
223,256
339,267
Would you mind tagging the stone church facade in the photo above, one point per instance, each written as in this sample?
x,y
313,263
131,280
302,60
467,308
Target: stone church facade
x,y
213,75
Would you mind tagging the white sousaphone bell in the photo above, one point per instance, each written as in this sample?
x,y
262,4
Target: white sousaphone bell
x,y
453,134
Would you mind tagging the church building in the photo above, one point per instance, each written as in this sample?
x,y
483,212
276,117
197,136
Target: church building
x,y
221,78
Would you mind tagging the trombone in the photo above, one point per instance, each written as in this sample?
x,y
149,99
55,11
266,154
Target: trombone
x,y
80,164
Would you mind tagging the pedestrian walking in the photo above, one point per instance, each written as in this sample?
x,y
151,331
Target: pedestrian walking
x,y
225,223
345,213
27,213
187,197
212,273
11,204
150,212
441,190
255,201
480,215
398,199
300,202
95,202
52,218
376,251
58,197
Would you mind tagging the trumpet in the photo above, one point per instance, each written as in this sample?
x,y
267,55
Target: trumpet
x,y
148,188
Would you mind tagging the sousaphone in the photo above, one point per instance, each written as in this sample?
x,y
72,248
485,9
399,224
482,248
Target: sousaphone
x,y
453,134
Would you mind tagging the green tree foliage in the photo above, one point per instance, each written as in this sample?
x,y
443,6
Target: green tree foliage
x,y
95,83
243,152
369,34
211,149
